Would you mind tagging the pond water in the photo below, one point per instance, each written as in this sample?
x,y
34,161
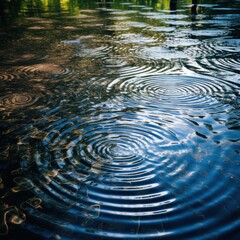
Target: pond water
x,y
120,119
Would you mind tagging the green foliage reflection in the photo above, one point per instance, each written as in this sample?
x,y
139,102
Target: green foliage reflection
x,y
14,8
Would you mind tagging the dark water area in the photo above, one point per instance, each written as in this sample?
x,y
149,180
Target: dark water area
x,y
120,119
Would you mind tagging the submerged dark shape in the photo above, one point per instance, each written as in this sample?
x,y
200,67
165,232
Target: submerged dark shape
x,y
194,7
173,5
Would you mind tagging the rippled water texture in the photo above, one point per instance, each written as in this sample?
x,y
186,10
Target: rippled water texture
x,y
120,120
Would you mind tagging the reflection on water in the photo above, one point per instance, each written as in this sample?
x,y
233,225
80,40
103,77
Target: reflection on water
x,y
119,119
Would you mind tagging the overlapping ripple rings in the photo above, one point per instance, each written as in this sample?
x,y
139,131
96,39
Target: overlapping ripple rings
x,y
114,175
173,92
221,55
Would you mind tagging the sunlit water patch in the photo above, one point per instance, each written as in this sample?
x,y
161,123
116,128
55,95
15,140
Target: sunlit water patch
x,y
126,12
161,16
158,53
136,39
136,24
209,32
162,29
181,42
178,23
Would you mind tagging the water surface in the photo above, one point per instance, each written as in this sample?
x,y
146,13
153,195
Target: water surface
x,y
120,119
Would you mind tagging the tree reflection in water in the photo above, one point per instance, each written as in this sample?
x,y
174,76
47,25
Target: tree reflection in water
x,y
194,7
173,5
104,3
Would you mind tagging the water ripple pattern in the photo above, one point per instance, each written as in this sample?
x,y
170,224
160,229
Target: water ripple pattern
x,y
120,120
174,92
119,174
18,100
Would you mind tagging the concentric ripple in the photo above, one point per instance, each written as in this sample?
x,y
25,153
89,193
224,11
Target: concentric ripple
x,y
208,49
122,175
172,92
47,68
221,64
108,170
18,100
157,53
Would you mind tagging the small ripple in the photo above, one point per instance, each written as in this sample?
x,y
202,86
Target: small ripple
x,y
47,68
181,42
217,23
210,32
115,62
99,52
151,67
178,23
158,53
132,38
148,60
33,73
18,100
228,45
126,12
221,64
